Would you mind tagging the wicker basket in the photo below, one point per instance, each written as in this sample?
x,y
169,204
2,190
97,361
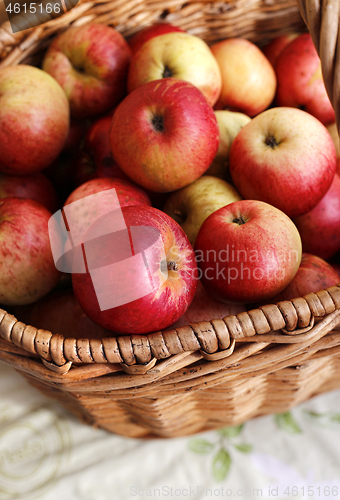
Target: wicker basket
x,y
209,374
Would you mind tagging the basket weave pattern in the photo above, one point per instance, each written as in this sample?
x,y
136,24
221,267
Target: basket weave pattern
x,y
207,374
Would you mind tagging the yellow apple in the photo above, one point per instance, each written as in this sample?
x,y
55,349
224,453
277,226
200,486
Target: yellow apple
x,y
248,78
177,55
191,205
229,125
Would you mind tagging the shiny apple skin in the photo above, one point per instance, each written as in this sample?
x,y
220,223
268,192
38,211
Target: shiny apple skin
x,y
36,187
285,157
27,270
138,40
314,274
247,251
91,63
160,308
34,119
320,228
299,80
164,135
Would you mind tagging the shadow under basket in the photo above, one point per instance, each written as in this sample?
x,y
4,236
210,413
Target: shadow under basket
x,y
209,374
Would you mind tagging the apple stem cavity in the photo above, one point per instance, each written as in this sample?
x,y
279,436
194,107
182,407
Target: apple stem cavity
x,y
172,266
239,220
167,73
158,123
271,141
80,69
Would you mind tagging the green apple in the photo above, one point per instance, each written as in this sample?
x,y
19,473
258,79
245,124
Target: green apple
x,y
191,205
229,124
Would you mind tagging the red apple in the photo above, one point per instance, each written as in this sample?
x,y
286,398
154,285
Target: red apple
x,y
76,134
35,187
204,307
91,63
248,78
137,40
247,251
320,228
91,209
27,270
178,55
128,194
95,161
299,80
141,279
273,50
285,157
34,120
314,274
84,168
97,144
61,313
164,135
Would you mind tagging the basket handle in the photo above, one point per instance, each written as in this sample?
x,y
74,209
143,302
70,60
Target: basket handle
x,y
323,22
214,339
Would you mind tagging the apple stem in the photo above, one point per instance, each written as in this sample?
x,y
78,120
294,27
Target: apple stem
x,y
239,220
167,73
158,123
270,141
172,266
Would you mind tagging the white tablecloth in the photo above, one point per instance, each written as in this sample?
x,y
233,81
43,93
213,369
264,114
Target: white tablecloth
x,y
47,453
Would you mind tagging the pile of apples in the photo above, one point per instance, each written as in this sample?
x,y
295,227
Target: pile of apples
x,y
227,153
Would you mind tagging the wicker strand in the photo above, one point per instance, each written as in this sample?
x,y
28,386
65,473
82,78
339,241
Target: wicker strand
x,y
216,337
323,21
257,20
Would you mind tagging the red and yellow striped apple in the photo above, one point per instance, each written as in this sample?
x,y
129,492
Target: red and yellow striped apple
x,y
91,63
164,135
284,157
34,120
167,284
247,251
27,270
299,80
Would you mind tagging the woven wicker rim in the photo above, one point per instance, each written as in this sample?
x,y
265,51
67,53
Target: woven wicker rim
x,y
288,322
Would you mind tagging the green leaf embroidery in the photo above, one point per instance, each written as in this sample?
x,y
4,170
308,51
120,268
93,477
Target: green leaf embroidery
x,y
313,414
286,422
221,464
200,446
231,432
244,447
